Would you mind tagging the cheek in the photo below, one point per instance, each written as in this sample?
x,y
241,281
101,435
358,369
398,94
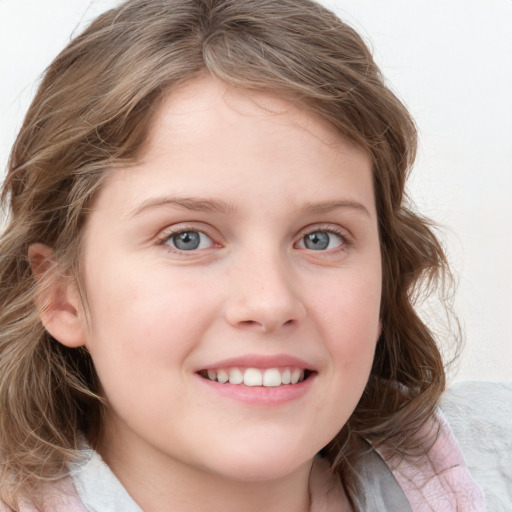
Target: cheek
x,y
147,318
348,313
350,306
348,316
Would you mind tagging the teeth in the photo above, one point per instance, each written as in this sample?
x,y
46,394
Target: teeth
x,y
253,377
222,376
295,376
271,377
236,376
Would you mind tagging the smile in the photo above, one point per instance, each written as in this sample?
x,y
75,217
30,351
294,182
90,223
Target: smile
x,y
268,377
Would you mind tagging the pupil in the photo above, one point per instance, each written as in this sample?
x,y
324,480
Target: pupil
x,y
317,241
187,241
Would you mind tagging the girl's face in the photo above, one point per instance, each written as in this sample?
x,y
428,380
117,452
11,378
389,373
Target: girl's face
x,y
243,246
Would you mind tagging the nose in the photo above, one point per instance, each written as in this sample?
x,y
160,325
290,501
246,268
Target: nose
x,y
264,295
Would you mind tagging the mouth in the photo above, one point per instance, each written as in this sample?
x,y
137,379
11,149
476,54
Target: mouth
x,y
253,377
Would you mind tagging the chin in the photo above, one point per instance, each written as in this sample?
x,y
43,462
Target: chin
x,y
260,464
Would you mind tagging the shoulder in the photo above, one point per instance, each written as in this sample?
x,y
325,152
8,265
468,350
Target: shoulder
x,y
480,416
58,496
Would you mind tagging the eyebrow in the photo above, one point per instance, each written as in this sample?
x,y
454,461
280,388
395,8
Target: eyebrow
x,y
187,203
330,206
215,205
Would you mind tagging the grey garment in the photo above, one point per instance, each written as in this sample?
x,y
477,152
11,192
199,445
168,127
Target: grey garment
x,y
377,489
98,488
100,491
480,416
479,413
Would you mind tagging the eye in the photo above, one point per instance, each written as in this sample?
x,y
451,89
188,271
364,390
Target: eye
x,y
188,240
321,240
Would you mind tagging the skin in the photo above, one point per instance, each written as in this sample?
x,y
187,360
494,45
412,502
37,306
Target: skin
x,y
156,315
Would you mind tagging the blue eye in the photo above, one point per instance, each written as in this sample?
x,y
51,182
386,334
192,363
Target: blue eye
x,y
189,241
321,240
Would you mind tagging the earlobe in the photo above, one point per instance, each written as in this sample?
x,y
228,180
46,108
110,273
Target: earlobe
x,y
58,300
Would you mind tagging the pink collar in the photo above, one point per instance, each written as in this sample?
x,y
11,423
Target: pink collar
x,y
441,481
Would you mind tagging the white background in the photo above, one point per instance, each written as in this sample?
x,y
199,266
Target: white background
x,y
450,61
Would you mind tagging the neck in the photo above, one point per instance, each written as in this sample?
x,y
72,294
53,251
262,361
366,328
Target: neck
x,y
160,485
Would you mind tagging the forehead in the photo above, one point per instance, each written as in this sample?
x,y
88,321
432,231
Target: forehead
x,y
207,138
214,102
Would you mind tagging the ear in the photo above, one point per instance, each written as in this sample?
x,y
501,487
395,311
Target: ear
x,y
58,301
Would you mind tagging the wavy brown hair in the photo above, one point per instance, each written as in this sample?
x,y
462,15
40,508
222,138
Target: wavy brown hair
x,y
91,114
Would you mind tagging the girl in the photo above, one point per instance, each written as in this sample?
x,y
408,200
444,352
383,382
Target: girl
x,y
209,272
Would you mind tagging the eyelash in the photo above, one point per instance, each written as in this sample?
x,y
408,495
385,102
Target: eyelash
x,y
342,234
171,232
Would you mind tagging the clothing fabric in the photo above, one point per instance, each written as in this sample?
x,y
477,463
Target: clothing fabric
x,y
440,480
441,483
100,491
98,488
480,416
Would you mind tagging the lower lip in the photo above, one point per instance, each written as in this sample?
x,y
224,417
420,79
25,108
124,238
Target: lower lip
x,y
261,395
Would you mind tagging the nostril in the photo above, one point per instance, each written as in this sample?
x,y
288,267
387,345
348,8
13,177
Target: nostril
x,y
266,314
266,325
249,323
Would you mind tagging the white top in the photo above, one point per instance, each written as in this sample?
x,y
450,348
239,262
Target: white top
x,y
480,416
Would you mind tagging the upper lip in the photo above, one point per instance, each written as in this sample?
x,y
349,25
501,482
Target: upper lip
x,y
260,362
